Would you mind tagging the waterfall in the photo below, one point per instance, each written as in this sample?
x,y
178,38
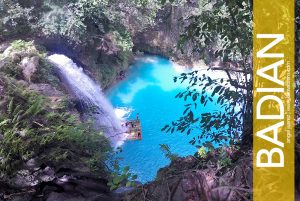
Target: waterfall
x,y
91,96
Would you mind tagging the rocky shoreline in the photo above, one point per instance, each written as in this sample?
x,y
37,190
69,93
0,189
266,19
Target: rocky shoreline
x,y
195,179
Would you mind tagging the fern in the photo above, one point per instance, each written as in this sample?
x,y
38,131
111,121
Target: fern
x,y
35,108
60,130
16,110
167,151
4,122
10,106
17,117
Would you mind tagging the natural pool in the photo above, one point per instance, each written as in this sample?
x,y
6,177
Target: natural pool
x,y
150,91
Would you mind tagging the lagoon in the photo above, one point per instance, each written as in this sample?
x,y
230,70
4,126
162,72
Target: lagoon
x,y
149,90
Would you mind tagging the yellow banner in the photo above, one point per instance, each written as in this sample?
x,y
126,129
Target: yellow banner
x,y
273,106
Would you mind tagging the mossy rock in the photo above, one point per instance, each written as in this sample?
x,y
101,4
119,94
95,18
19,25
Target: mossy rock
x,y
27,61
11,68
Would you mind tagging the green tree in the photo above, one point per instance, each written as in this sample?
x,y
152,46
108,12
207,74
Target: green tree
x,y
224,30
16,19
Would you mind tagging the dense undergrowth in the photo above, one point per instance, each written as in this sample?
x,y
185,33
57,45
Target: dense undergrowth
x,y
30,128
56,138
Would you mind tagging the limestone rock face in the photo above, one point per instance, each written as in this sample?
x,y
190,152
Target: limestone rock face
x,y
29,66
162,38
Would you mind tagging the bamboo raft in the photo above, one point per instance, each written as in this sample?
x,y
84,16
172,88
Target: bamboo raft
x,y
134,131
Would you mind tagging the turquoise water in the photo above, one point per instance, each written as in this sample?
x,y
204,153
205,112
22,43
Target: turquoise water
x,y
150,91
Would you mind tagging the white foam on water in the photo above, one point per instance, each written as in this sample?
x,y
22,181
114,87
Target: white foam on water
x,y
123,113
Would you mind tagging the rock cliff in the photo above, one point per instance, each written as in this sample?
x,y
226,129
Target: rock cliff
x,y
194,179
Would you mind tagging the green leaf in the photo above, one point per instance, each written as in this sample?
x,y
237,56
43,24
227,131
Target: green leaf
x,y
117,180
202,99
134,177
126,169
163,1
185,111
10,106
4,122
128,184
165,127
195,96
114,187
216,90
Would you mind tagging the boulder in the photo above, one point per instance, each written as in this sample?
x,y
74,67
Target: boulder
x,y
29,66
8,50
31,177
31,164
4,46
82,188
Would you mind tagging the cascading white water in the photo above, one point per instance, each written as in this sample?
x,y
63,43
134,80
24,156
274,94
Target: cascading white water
x,y
91,95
